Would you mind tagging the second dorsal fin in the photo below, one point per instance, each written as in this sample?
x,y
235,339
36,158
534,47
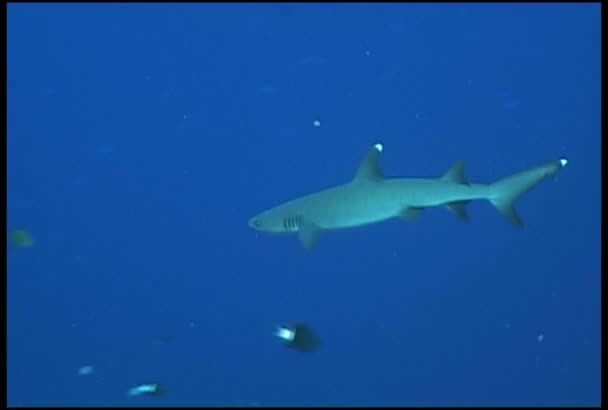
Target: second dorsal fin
x,y
456,174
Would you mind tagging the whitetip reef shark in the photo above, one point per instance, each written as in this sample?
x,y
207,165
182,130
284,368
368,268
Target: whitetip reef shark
x,y
370,197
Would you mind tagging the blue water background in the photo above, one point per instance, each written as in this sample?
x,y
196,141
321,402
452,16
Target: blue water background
x,y
141,138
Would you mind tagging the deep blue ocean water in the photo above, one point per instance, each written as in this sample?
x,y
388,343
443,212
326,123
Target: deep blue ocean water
x,y
141,139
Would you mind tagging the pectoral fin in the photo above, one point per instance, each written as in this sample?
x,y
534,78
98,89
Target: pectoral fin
x,y
308,233
411,214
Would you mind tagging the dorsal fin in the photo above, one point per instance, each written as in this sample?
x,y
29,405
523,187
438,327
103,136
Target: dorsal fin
x,y
456,174
369,168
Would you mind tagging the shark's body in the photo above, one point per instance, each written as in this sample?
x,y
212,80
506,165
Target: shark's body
x,y
371,198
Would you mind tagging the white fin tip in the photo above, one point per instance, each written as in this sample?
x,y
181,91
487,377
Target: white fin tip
x,y
378,147
563,161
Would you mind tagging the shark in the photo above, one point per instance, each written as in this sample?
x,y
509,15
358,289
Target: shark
x,y
370,197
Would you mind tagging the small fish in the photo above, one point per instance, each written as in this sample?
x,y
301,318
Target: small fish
x,y
147,389
21,238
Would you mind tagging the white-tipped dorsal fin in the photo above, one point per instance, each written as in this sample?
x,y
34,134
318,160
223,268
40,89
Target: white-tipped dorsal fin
x,y
456,174
369,168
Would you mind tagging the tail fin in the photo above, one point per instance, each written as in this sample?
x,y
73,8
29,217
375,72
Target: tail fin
x,y
506,191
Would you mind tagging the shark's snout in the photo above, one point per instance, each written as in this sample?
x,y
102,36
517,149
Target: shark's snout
x,y
254,223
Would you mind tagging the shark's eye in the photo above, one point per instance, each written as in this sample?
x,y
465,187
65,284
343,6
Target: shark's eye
x,y
257,223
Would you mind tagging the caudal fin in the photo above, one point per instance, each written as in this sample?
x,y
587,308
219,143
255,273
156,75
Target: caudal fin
x,y
506,191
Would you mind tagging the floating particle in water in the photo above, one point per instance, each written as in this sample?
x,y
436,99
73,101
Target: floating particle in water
x,y
512,103
397,27
267,88
162,340
316,123
312,60
105,149
85,370
540,338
